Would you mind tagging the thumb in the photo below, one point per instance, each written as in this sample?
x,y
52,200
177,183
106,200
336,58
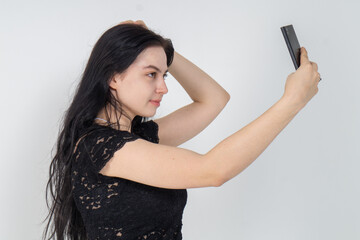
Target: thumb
x,y
303,56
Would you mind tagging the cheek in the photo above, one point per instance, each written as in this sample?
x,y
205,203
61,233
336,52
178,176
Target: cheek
x,y
135,94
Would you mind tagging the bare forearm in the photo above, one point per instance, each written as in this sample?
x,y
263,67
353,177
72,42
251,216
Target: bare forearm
x,y
235,153
198,84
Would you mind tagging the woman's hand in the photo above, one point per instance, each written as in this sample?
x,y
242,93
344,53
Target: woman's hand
x,y
138,22
301,85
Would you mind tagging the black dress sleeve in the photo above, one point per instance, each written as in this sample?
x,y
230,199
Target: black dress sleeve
x,y
100,146
102,142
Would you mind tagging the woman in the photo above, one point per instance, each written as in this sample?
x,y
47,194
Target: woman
x,y
118,175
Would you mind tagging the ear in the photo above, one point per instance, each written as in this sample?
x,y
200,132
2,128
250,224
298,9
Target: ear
x,y
114,81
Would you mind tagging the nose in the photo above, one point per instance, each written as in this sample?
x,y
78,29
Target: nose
x,y
162,88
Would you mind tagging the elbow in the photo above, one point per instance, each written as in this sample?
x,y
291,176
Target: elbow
x,y
217,184
224,100
227,97
215,179
215,173
219,181
224,97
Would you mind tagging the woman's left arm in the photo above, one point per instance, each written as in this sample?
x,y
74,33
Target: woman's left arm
x,y
199,85
209,100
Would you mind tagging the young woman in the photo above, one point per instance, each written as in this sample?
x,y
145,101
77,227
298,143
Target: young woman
x,y
118,175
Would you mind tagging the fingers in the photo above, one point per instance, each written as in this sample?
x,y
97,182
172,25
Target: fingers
x,y
318,76
126,22
305,59
315,70
138,22
141,22
303,56
314,65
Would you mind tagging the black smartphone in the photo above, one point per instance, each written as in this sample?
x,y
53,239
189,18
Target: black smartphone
x,y
292,44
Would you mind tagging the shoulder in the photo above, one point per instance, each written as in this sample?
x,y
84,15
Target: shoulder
x,y
104,135
99,136
99,144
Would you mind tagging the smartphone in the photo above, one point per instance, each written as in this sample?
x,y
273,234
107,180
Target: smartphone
x,y
292,44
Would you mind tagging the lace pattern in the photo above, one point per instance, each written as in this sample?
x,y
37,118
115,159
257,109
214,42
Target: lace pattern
x,y
118,208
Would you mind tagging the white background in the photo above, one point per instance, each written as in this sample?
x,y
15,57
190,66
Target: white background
x,y
306,183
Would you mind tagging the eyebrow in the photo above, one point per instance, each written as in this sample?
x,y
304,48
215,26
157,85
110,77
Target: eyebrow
x,y
156,68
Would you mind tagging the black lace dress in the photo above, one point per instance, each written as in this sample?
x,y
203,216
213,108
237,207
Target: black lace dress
x,y
118,208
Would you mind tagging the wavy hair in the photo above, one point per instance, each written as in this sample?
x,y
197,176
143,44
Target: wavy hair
x,y
113,53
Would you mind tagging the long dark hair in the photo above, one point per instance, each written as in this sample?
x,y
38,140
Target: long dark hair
x,y
113,53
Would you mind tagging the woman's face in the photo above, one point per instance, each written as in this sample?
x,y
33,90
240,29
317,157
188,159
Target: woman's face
x,y
142,82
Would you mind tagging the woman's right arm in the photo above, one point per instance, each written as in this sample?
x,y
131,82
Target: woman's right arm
x,y
178,168
235,153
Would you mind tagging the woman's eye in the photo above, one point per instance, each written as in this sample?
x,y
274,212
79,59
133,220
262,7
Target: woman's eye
x,y
152,74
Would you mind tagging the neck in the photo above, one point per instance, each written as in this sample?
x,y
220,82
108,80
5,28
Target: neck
x,y
102,119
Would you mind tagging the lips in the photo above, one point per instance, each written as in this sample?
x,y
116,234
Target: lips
x,y
158,101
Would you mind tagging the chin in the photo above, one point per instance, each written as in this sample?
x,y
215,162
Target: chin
x,y
148,114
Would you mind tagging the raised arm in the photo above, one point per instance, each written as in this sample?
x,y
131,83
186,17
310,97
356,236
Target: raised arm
x,y
235,153
209,99
171,167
